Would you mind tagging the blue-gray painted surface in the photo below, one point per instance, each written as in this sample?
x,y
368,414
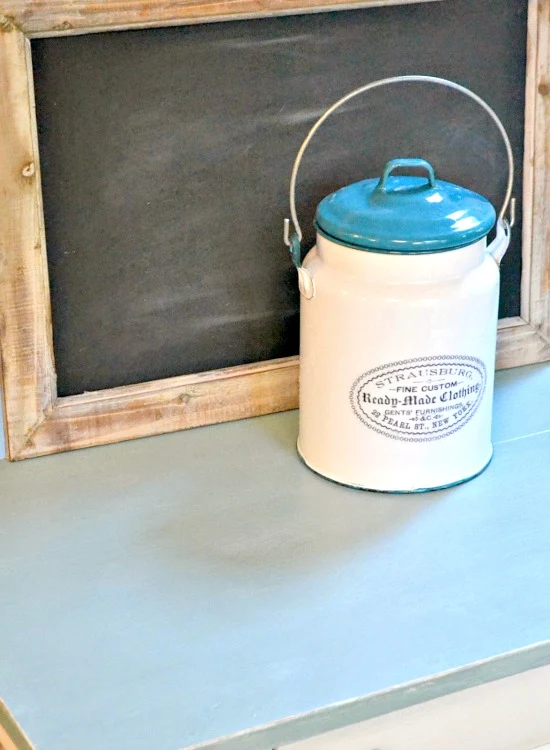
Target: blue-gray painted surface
x,y
193,585
2,443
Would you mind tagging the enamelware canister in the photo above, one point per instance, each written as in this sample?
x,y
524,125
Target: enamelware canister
x,y
399,307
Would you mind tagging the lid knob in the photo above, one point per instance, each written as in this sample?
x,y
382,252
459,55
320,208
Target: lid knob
x,y
407,164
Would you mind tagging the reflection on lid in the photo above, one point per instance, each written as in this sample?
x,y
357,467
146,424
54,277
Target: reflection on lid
x,y
457,215
469,222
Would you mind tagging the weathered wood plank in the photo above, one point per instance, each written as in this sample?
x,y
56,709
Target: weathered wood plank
x,y
520,344
12,736
538,119
165,406
25,326
529,159
50,18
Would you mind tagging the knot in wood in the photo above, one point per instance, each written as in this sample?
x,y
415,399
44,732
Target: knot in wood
x,y
65,26
28,170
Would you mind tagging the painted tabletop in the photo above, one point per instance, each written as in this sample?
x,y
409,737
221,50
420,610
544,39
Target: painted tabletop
x,y
194,585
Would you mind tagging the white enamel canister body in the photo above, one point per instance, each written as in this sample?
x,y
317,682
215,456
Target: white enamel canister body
x,y
399,324
397,366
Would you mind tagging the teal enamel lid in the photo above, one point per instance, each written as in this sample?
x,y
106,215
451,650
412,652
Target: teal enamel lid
x,y
404,213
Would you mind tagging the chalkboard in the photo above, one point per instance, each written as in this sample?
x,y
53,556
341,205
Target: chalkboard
x,y
166,156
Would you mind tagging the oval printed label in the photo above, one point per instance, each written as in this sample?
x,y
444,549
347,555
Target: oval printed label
x,y
418,400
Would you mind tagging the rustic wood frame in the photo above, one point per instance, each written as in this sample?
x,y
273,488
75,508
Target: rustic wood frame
x,y
12,736
37,421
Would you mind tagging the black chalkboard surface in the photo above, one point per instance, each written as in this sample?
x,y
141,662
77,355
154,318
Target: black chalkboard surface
x,y
166,155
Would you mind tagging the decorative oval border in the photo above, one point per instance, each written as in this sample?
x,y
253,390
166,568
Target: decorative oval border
x,y
440,358
480,369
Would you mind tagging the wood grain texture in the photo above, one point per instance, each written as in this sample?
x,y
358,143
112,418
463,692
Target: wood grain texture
x,y
529,340
39,423
49,18
529,158
538,270
12,736
25,326
520,343
165,406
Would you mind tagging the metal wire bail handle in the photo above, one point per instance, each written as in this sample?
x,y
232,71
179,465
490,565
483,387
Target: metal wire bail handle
x,y
503,225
